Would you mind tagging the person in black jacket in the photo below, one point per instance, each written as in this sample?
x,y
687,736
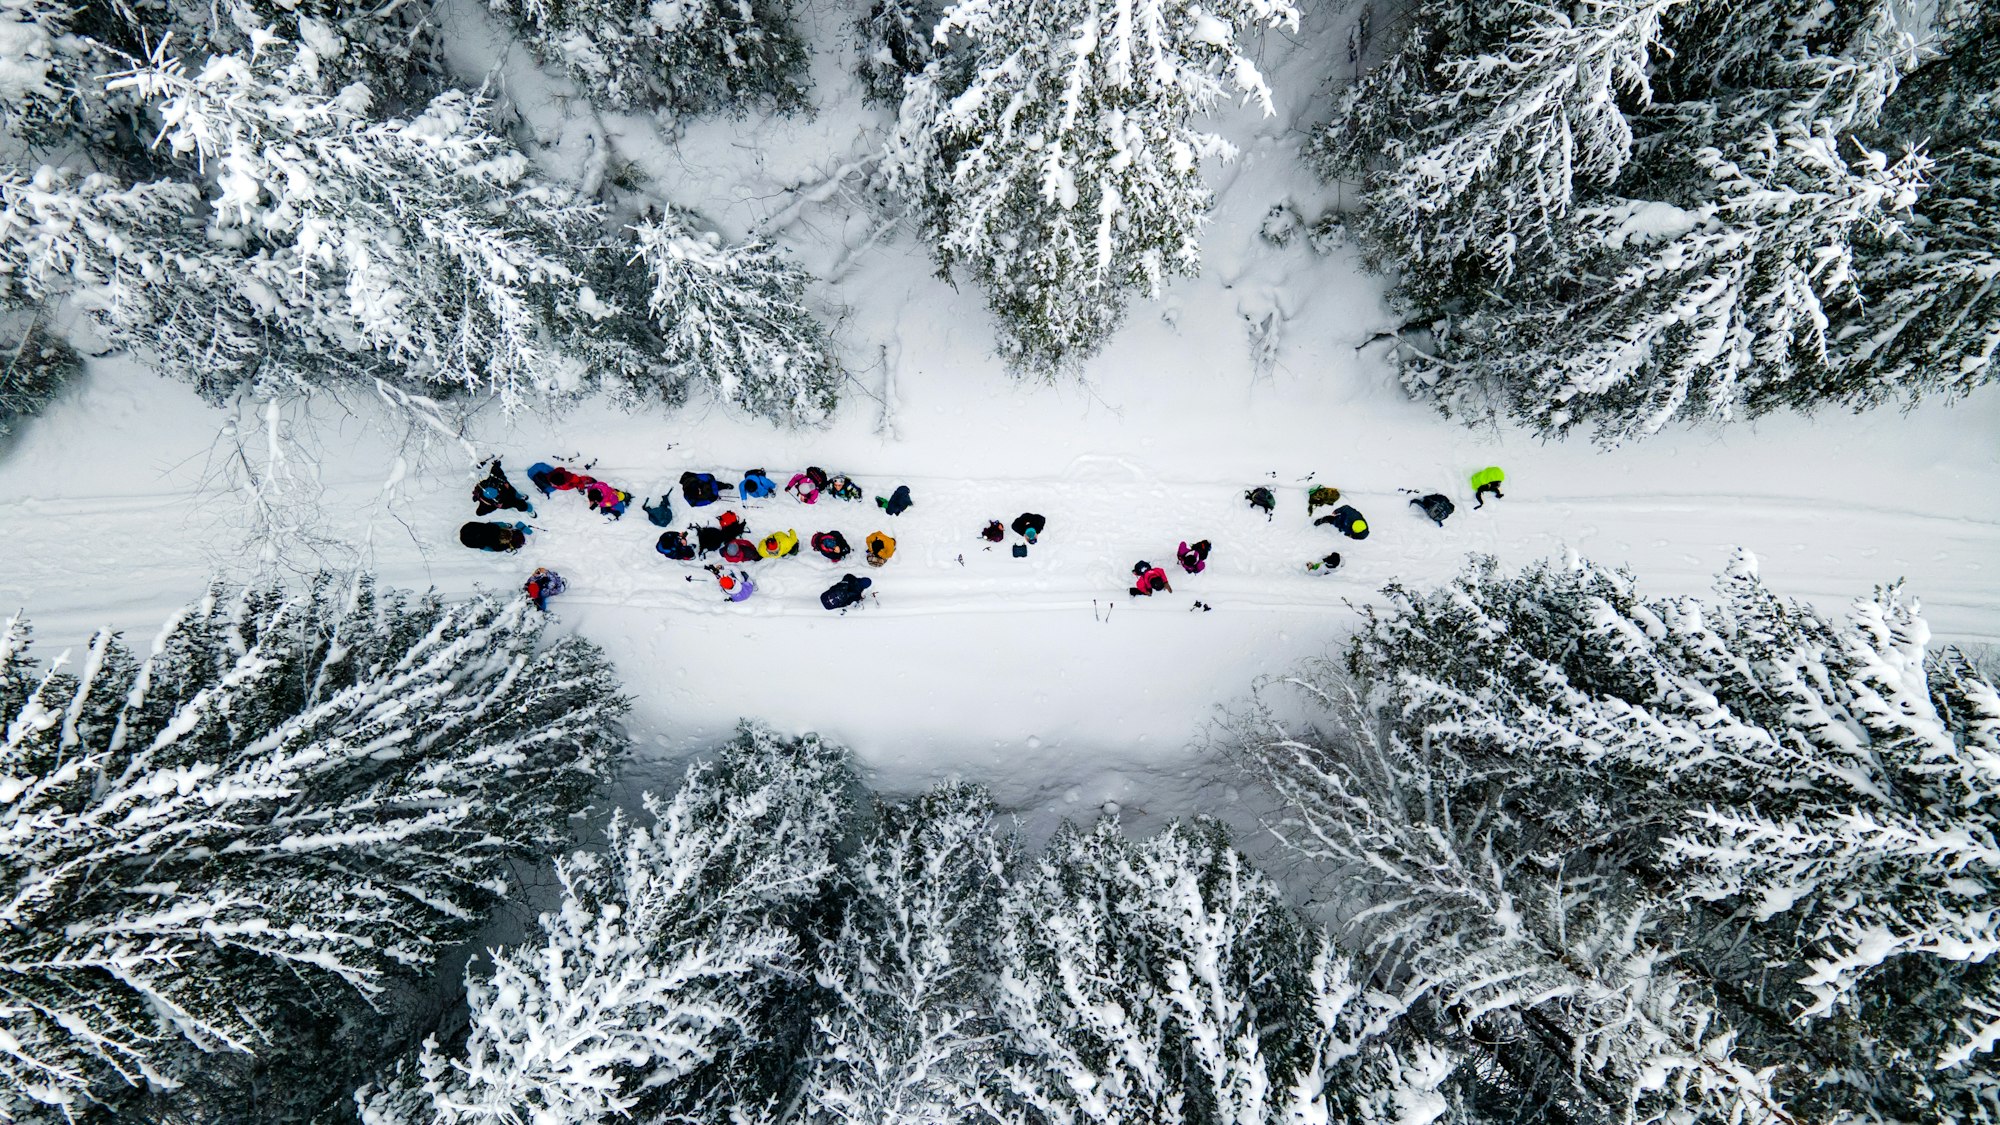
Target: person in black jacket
x,y
1028,525
496,492
897,502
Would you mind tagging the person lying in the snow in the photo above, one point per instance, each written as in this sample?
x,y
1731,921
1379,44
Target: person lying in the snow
x,y
1327,565
702,489
661,514
543,585
1152,580
495,536
1347,520
897,502
675,545
831,544
736,585
1436,505
995,531
1028,525
1263,498
1193,559
554,478
846,592
1325,496
496,492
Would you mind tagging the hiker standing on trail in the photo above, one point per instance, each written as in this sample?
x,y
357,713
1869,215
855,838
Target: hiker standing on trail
x,y
1487,480
1263,498
499,537
1029,525
897,502
832,545
1193,559
1348,521
779,544
1152,580
735,585
1325,496
996,532
881,548
846,592
757,486
804,487
496,492
543,585
841,488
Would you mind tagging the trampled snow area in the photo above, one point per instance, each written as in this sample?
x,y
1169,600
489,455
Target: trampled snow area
x,y
969,661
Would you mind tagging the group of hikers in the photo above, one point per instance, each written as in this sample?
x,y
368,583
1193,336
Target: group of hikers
x,y
730,537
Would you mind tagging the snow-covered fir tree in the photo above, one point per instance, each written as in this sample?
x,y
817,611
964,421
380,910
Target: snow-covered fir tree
x,y
734,317
42,74
897,43
1513,750
34,366
1634,212
908,1034
667,971
232,845
1057,162
1167,981
687,56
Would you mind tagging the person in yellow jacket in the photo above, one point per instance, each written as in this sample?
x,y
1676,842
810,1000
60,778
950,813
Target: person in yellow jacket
x,y
779,544
880,548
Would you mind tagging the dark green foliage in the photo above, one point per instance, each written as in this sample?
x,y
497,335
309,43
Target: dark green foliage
x,y
685,56
33,370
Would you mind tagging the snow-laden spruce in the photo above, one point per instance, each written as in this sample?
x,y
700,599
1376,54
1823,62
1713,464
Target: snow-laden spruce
x,y
896,44
1780,825
1167,981
734,317
40,69
665,968
34,368
1629,213
687,56
1055,159
270,819
907,1033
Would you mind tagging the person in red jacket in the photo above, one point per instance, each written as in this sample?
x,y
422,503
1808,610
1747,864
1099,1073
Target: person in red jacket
x,y
1152,580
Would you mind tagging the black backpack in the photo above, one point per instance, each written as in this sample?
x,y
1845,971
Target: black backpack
x,y
1261,498
1437,506
675,545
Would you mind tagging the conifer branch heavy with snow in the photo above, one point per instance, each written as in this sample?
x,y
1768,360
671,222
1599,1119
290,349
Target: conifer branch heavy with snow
x,y
291,805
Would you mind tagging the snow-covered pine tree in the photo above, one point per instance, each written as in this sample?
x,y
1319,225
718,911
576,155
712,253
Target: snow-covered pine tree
x,y
734,317
1815,771
908,1035
1532,956
1167,981
686,56
1057,162
34,366
403,249
1701,315
896,44
1492,127
396,47
267,825
1929,317
662,985
41,69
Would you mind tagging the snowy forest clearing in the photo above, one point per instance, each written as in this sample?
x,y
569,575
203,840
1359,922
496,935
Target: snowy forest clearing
x,y
999,670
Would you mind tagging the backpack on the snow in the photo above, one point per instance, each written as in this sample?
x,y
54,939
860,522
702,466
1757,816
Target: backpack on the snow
x,y
675,545
1261,497
1437,506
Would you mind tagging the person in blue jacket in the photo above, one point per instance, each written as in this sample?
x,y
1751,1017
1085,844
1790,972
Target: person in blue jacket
x,y
757,486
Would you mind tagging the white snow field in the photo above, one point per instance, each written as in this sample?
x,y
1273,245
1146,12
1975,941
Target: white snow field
x,y
968,661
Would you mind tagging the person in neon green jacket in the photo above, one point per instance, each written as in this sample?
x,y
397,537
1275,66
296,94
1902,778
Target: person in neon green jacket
x,y
779,544
1487,480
